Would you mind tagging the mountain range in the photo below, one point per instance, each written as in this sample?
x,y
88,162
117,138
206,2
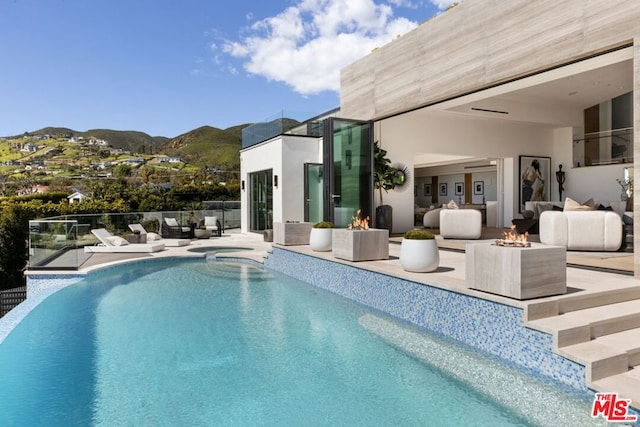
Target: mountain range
x,y
204,146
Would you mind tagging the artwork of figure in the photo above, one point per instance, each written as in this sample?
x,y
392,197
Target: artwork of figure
x,y
532,183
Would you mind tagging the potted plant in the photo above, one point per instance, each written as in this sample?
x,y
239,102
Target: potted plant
x,y
385,177
419,251
320,237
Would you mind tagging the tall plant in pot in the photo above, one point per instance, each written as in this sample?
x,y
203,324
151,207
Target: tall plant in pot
x,y
385,177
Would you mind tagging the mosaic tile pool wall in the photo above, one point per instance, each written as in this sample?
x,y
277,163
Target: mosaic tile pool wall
x,y
488,326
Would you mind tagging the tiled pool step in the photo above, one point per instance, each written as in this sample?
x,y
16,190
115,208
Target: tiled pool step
x,y
600,331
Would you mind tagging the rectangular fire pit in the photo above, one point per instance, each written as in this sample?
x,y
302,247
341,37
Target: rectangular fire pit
x,y
517,272
291,233
361,245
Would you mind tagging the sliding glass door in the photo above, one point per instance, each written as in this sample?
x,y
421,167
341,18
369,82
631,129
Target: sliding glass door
x,y
348,162
313,191
261,200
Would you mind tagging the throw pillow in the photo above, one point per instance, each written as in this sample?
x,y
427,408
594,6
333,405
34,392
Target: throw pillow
x,y
117,241
153,237
543,206
452,205
171,222
210,221
527,214
572,205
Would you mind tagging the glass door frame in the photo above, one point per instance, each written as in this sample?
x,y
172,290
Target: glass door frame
x,y
330,196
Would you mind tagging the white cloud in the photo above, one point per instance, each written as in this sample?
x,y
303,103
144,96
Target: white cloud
x,y
307,44
443,4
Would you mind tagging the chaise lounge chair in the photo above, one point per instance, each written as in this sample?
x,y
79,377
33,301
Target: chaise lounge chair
x,y
115,244
154,237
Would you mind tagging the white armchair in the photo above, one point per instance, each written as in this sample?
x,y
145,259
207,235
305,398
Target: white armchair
x,y
212,224
431,218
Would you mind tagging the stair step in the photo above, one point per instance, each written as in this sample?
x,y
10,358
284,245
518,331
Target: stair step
x,y
583,325
577,302
607,355
626,384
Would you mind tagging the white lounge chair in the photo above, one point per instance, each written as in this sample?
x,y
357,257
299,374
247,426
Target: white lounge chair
x,y
116,244
158,238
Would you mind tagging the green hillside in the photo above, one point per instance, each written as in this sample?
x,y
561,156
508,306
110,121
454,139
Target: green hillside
x,y
208,146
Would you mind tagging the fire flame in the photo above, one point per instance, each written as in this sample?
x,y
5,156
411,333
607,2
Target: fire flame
x,y
357,223
512,238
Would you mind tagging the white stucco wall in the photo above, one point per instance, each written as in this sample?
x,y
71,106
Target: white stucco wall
x,y
286,155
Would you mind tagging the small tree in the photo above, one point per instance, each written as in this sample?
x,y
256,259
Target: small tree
x,y
386,177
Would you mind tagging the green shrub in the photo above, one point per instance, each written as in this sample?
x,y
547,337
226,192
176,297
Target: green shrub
x,y
419,235
323,224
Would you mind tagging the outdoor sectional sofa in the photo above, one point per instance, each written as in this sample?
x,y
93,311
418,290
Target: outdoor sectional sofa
x,y
582,230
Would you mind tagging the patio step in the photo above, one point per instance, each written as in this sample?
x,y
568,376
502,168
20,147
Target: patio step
x,y
574,302
604,338
583,325
627,384
606,355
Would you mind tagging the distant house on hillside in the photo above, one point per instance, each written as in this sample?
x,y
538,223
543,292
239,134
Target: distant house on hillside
x,y
77,197
134,161
167,159
29,147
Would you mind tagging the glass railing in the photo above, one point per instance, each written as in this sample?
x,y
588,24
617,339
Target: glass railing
x,y
58,242
284,122
604,148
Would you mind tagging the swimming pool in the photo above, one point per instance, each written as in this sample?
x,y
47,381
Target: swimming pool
x,y
224,343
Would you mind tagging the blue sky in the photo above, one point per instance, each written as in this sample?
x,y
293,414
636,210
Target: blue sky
x,y
166,67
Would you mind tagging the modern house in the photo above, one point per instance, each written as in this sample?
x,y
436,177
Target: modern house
x,y
467,101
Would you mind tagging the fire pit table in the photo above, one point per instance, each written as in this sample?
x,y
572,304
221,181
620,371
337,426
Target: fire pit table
x,y
520,272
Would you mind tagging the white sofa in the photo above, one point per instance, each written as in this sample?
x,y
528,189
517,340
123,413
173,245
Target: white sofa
x,y
460,223
431,218
538,207
581,230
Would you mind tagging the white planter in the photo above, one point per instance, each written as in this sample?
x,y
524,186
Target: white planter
x,y
320,239
419,256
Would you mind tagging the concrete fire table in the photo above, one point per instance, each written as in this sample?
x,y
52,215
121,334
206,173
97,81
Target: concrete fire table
x,y
517,272
361,245
291,233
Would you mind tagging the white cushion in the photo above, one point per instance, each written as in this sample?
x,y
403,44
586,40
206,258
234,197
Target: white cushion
x,y
582,230
171,222
210,221
572,205
460,223
117,241
153,237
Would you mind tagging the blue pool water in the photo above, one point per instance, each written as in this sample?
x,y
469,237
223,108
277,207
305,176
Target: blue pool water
x,y
222,343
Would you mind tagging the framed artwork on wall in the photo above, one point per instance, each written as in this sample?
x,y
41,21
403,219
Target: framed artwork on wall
x,y
427,189
443,189
478,188
535,173
459,188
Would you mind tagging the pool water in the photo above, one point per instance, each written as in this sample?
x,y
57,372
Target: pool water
x,y
222,343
